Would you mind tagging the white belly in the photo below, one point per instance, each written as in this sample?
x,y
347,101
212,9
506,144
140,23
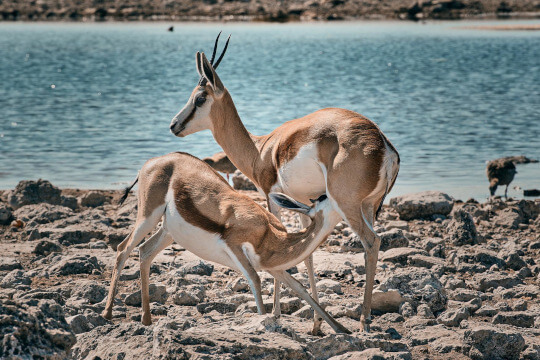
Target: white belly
x,y
302,177
204,244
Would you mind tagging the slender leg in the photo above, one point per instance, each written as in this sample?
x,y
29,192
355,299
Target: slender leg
x,y
142,228
317,320
243,264
506,192
303,294
148,251
371,267
276,311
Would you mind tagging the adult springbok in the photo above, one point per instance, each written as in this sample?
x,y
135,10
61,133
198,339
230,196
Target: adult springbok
x,y
333,151
203,213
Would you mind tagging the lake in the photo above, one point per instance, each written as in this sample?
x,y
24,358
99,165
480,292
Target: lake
x,y
85,105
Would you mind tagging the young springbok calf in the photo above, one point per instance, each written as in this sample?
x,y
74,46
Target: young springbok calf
x,y
333,151
206,216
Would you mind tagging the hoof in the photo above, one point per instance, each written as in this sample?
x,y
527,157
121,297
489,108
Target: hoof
x,y
146,322
107,315
316,332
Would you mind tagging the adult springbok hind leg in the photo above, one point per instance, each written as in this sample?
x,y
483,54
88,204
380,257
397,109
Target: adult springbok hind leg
x,y
143,226
361,221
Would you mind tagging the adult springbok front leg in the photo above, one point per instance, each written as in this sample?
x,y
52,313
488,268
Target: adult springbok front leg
x,y
304,295
276,310
317,319
147,252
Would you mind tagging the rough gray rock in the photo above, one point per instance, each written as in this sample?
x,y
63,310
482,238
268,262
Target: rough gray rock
x,y
176,339
5,214
45,247
158,293
418,285
453,317
422,205
76,264
512,260
239,284
89,290
430,334
42,213
462,229
190,296
464,295
220,307
9,263
386,301
79,324
488,281
329,286
72,234
425,261
34,329
242,182
509,218
14,278
69,202
487,342
517,318
93,199
373,354
34,192
197,267
400,255
394,238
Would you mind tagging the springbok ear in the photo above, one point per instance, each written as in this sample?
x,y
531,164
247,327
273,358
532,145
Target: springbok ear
x,y
287,202
198,63
210,74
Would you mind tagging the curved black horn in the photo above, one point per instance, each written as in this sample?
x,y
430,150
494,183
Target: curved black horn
x,y
222,53
215,49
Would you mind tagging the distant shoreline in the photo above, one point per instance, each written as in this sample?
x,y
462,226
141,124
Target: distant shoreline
x,y
202,20
265,10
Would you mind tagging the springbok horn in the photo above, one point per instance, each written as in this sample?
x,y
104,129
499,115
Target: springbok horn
x,y
222,53
215,49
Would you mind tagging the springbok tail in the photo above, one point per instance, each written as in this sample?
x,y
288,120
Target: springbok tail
x,y
127,190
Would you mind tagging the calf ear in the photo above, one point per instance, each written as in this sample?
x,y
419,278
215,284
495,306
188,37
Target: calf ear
x,y
210,75
287,202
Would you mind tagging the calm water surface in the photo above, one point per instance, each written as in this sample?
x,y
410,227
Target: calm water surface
x,y
85,105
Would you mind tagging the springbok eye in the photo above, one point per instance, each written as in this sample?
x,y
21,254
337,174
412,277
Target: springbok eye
x,y
199,101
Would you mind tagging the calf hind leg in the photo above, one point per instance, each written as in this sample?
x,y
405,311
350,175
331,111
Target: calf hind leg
x,y
142,228
243,264
148,251
303,294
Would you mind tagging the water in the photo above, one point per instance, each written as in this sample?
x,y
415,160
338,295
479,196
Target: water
x,y
85,105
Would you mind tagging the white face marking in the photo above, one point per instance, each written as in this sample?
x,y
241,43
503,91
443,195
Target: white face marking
x,y
206,245
302,177
201,118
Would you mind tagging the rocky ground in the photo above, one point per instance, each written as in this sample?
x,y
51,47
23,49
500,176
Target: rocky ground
x,y
263,10
455,281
